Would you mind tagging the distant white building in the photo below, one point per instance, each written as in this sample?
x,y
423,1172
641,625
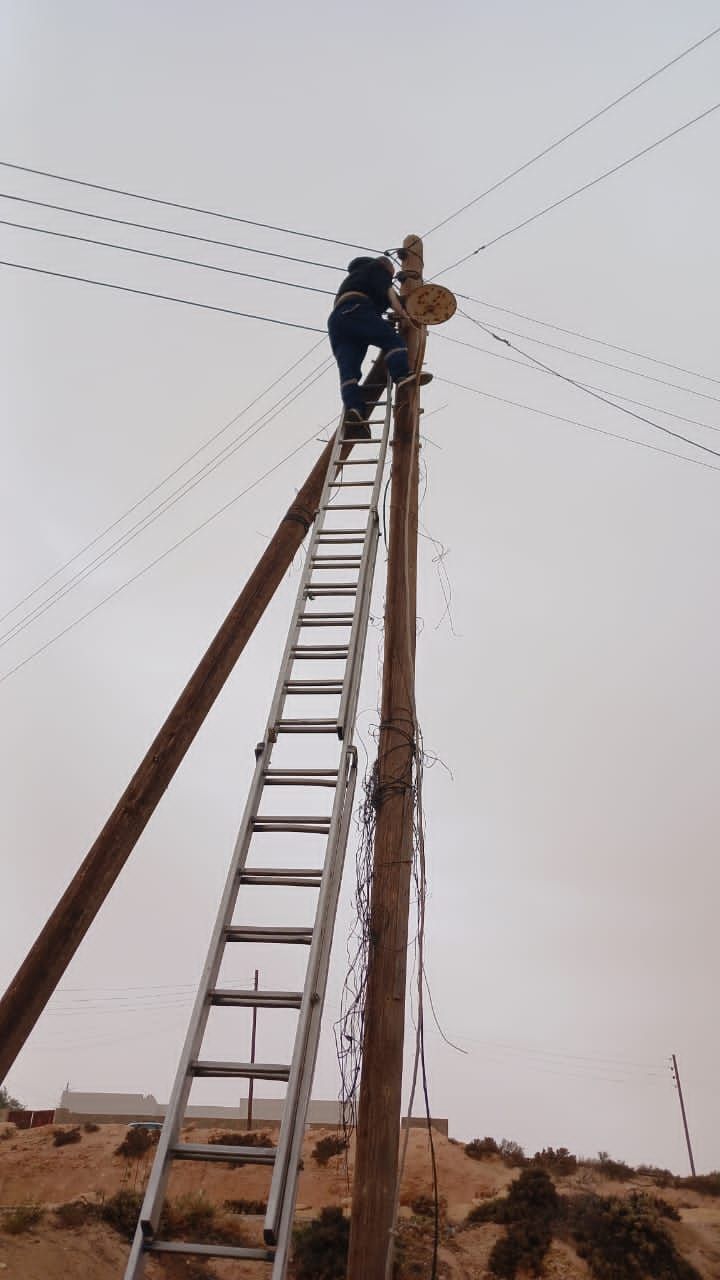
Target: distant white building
x,y
106,1108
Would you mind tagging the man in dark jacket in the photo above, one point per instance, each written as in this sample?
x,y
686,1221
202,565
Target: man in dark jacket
x,y
356,323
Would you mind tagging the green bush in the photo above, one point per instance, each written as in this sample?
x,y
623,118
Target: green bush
x,y
326,1148
24,1218
136,1142
661,1177
7,1102
529,1211
482,1148
653,1204
320,1249
624,1240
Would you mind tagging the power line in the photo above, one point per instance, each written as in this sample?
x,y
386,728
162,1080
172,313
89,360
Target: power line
x,y
575,333
499,355
165,231
607,364
572,133
573,422
595,394
187,208
167,503
141,572
164,297
163,257
169,476
556,204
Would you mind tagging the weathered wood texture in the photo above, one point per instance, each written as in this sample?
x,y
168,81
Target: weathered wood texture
x,y
378,1133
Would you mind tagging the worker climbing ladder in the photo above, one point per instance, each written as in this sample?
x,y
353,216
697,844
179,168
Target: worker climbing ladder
x,y
334,598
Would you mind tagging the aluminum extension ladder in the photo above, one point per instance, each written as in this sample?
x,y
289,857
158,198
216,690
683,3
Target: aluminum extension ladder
x,y
337,545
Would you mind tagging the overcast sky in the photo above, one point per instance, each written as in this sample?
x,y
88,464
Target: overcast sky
x,y
572,836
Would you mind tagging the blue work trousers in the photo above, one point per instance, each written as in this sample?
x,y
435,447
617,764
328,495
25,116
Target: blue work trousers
x,y
353,327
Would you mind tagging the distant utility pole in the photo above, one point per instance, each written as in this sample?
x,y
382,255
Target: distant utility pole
x,y
56,944
676,1078
378,1129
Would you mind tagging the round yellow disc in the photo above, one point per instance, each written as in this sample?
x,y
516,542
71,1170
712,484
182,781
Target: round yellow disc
x,y
431,304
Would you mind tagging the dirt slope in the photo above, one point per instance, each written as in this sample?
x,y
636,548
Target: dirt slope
x,y
33,1170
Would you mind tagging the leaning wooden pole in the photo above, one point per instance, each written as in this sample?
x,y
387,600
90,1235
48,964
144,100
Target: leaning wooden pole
x,y
47,960
378,1130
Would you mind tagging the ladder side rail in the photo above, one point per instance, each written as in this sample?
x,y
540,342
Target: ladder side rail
x,y
281,1198
157,1182
283,1189
160,1172
358,631
283,1229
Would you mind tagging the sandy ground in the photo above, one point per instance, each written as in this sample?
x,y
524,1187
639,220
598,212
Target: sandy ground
x,y
33,1170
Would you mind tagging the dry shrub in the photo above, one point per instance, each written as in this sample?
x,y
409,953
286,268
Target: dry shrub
x,y
64,1137
122,1211
320,1248
257,1207
625,1240
482,1148
326,1148
76,1213
136,1142
90,1127
558,1163
24,1218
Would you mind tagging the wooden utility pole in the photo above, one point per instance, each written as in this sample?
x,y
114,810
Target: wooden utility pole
x,y
46,962
378,1130
676,1077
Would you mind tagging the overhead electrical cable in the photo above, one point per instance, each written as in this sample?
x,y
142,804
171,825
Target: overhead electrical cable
x,y
165,505
586,186
163,257
163,297
656,408
564,377
573,422
573,132
187,208
166,231
158,559
586,337
160,484
606,364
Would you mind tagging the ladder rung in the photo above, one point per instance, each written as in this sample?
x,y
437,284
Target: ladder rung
x,y
313,686
326,618
256,999
294,773
210,1250
335,561
306,726
347,506
371,439
221,1152
331,589
239,1070
305,877
330,534
359,462
320,650
316,826
271,933
301,780
355,484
